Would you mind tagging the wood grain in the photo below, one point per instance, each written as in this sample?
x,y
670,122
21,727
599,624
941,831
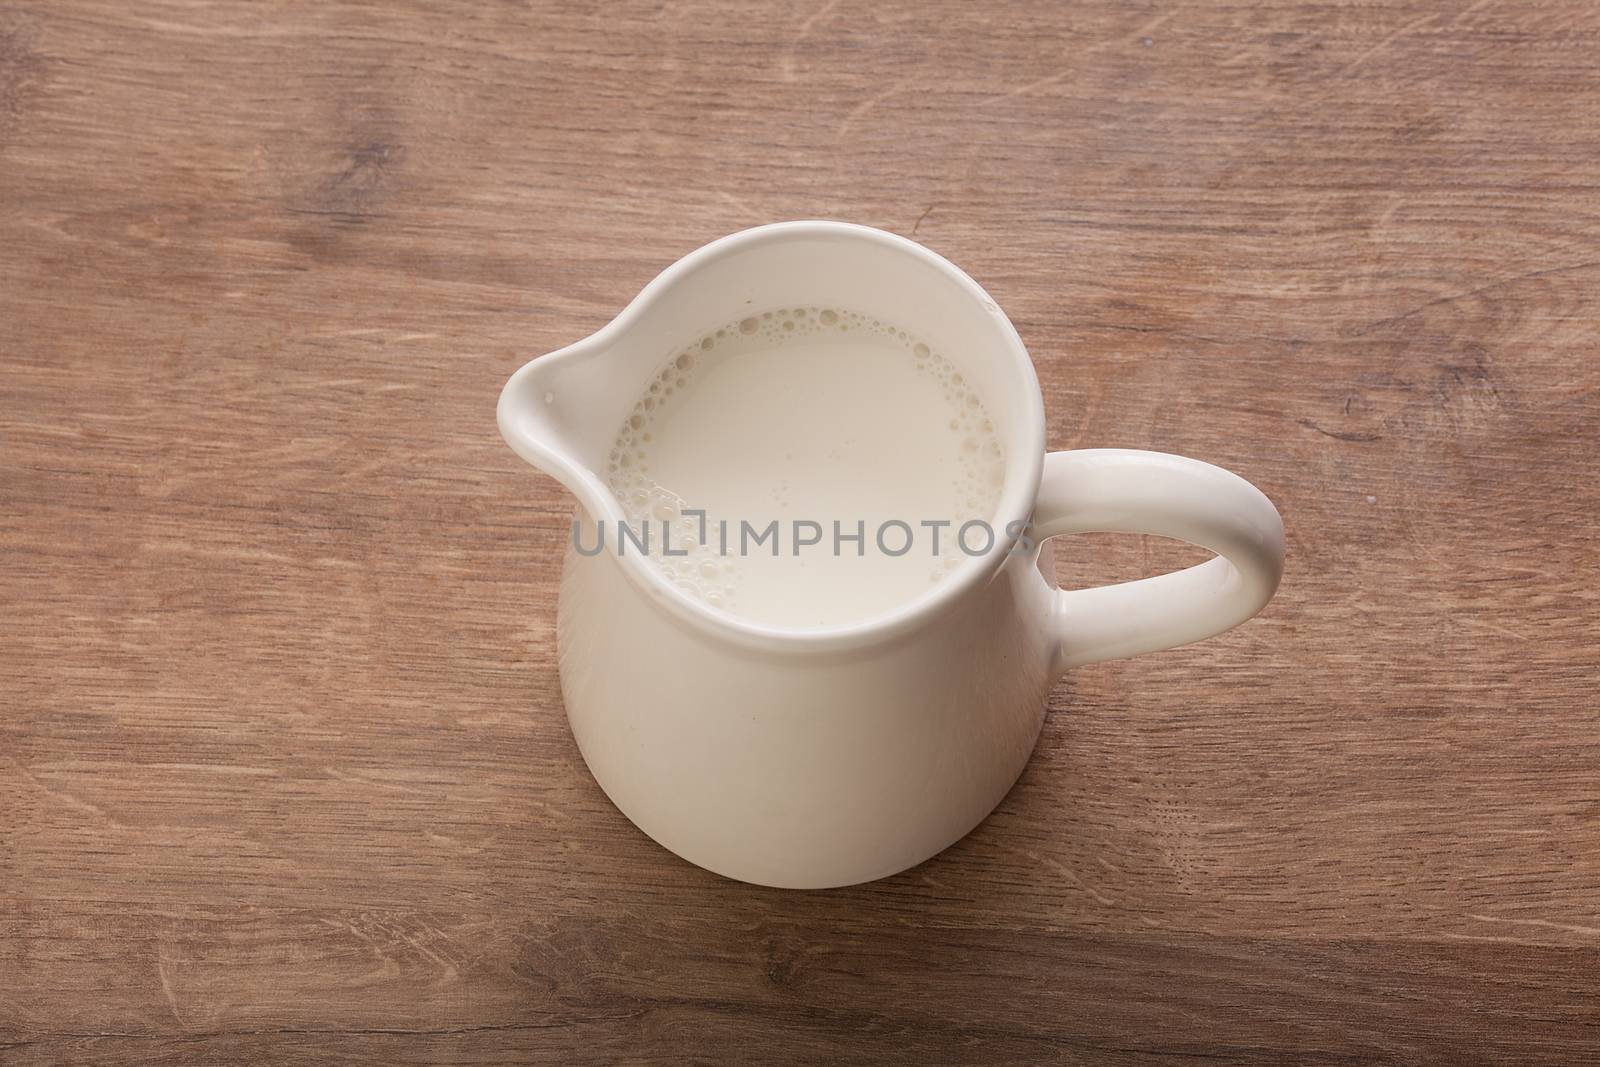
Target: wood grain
x,y
285,774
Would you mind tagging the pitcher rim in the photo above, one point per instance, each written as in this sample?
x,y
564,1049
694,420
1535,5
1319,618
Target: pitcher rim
x,y
600,503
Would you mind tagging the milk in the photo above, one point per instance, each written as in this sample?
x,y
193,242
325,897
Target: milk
x,y
810,425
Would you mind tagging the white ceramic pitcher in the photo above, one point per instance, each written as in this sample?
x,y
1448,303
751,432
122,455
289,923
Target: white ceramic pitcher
x,y
826,757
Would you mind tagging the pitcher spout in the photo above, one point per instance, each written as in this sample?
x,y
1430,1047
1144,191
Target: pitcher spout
x,y
546,414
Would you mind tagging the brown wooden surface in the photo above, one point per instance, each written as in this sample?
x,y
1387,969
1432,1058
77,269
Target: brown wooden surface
x,y
284,775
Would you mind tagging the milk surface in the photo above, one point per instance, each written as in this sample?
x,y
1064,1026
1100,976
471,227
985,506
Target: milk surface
x,y
788,422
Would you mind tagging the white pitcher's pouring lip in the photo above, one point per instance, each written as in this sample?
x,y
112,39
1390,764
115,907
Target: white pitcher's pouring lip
x,y
530,429
526,414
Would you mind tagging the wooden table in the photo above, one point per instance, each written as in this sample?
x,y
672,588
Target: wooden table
x,y
286,775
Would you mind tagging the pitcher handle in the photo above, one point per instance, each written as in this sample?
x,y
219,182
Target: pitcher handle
x,y
1118,490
